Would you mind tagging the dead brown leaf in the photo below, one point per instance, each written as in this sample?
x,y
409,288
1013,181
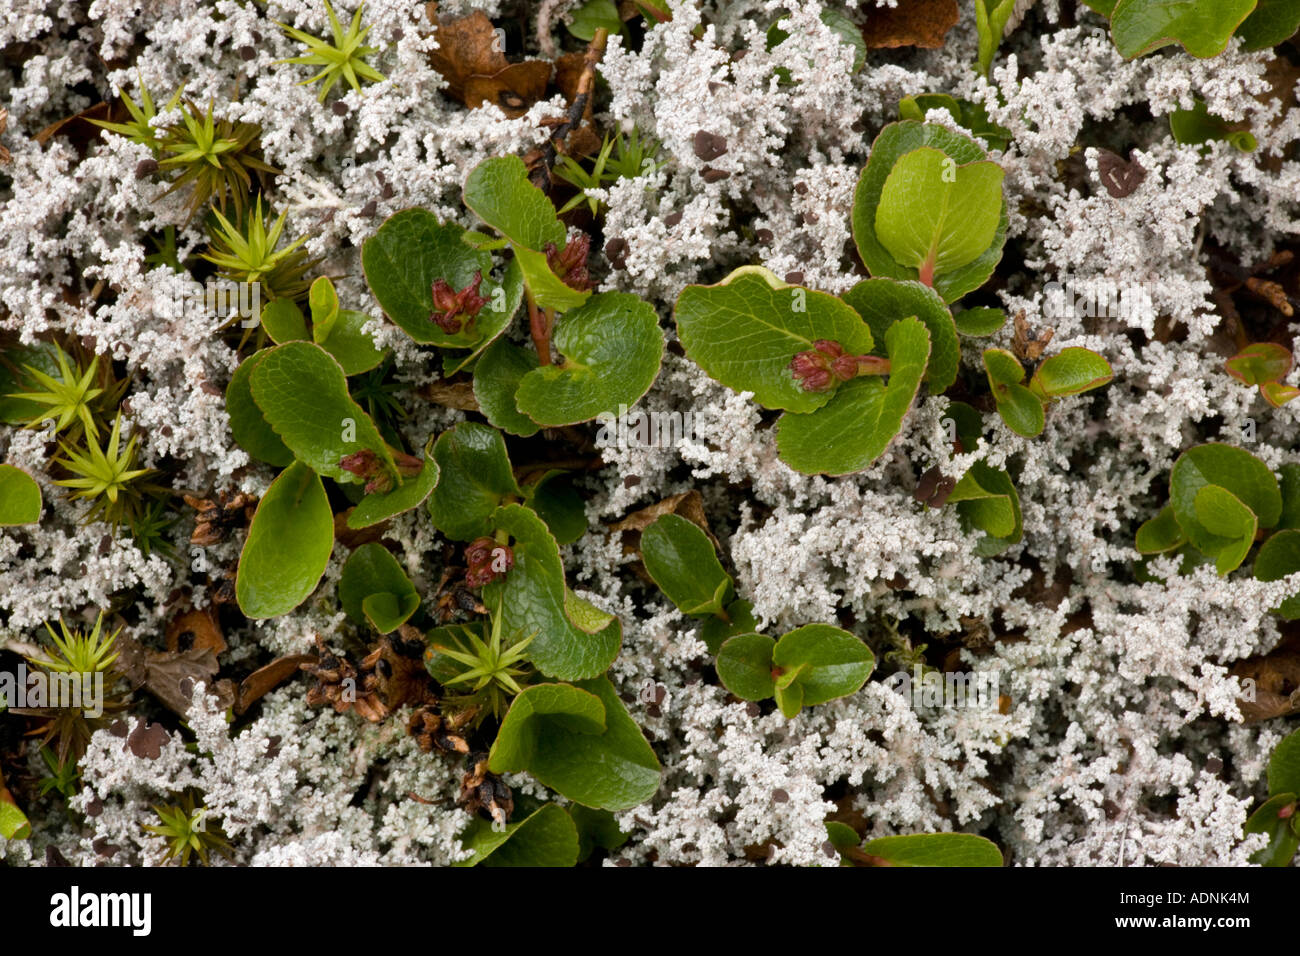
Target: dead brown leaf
x,y
172,675
78,128
458,395
1276,677
470,59
265,679
922,23
195,629
688,504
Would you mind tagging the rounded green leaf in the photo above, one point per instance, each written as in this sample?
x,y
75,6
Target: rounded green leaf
x,y
894,141
324,303
936,216
1289,479
1260,363
979,322
1231,468
1002,368
857,425
1284,765
248,426
745,330
882,302
1283,840
594,15
283,321
935,849
352,348
1070,372
288,545
380,506
42,356
20,497
611,346
987,509
303,393
559,741
13,822
1198,125
571,639
373,587
475,477
412,250
558,503
498,192
679,557
1202,27
1021,409
830,661
546,837
1161,533
1279,556
745,666
1271,23
497,375
1222,514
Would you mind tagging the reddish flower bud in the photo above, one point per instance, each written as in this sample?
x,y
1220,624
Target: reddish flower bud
x,y
453,310
366,464
570,264
826,364
487,559
1286,812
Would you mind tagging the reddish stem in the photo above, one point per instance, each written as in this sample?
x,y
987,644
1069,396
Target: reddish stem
x,y
926,273
539,324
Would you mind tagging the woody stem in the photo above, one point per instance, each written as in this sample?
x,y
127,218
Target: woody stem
x,y
539,325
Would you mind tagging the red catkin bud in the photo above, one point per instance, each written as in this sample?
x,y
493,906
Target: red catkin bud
x,y
453,310
570,264
826,364
486,560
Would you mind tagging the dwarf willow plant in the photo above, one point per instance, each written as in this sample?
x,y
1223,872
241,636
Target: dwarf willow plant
x,y
1277,817
1201,27
1222,499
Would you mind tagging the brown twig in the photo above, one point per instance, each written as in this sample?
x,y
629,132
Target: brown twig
x,y
586,83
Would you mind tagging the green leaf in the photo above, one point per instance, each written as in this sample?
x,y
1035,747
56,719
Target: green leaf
x,y
596,828
980,322
324,304
1222,514
476,476
1284,765
499,193
1202,27
409,253
745,666
373,587
352,348
303,393
881,302
1283,840
570,641
283,321
972,116
988,509
1021,409
858,424
1104,7
1271,23
13,822
745,330
740,620
831,662
1260,363
580,742
611,346
990,20
288,545
1278,557
935,849
1070,371
894,141
1195,126
380,506
680,559
592,16
497,375
248,426
558,503
546,837
936,216
42,356
1161,533
1290,489
789,699
1231,468
20,497
1002,368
